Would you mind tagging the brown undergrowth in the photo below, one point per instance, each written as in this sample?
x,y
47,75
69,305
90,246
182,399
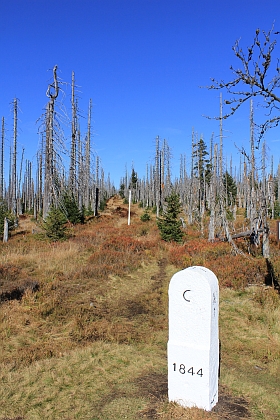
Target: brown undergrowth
x,y
83,323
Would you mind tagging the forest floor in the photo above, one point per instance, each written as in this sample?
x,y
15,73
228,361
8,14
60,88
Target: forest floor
x,y
84,322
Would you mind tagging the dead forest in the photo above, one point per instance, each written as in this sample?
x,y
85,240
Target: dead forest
x,y
210,188
206,185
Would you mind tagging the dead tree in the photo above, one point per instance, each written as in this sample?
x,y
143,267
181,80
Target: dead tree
x,y
19,198
221,138
73,153
252,193
255,78
213,195
157,180
38,206
52,94
54,176
88,159
2,160
14,160
190,192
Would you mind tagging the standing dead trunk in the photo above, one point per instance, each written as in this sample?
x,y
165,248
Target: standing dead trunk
x,y
221,138
72,171
213,189
87,159
265,244
39,183
2,160
49,147
96,201
157,176
14,160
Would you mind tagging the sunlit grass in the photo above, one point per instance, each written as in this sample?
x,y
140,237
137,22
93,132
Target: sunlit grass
x,y
250,337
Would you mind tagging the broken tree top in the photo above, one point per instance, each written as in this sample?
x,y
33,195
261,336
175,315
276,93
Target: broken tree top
x,y
193,346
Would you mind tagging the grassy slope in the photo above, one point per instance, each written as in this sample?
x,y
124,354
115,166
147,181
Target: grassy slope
x,y
91,343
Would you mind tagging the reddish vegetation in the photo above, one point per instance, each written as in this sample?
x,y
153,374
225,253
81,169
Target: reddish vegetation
x,y
57,297
235,271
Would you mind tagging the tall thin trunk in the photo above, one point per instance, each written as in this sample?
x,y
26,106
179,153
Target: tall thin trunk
x,y
265,245
221,138
19,208
49,147
72,171
81,181
14,164
252,142
2,160
213,190
190,195
157,176
87,159
40,183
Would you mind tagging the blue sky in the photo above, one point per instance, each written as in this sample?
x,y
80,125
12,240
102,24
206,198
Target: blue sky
x,y
142,63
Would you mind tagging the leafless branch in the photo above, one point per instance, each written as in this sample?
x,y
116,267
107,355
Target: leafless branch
x,y
256,77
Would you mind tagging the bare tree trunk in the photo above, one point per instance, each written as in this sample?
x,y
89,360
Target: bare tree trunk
x,y
157,176
253,193
40,183
49,152
72,171
167,184
148,189
2,160
213,189
265,244
191,192
96,201
97,183
252,142
19,207
87,159
221,138
14,164
270,195
81,170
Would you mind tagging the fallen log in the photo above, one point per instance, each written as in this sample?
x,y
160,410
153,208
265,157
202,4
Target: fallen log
x,y
242,234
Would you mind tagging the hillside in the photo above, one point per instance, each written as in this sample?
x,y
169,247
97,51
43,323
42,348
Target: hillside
x,y
84,322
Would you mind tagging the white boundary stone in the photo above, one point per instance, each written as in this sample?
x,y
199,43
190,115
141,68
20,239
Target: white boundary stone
x,y
193,346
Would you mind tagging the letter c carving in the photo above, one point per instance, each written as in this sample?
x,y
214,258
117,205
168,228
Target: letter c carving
x,y
184,295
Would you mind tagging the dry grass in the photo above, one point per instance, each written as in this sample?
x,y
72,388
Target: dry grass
x,y
91,342
250,336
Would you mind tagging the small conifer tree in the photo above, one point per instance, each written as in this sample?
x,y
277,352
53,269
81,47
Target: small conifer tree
x,y
170,225
145,217
71,209
54,225
230,187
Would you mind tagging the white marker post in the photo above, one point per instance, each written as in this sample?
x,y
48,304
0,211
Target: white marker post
x,y
193,346
129,205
